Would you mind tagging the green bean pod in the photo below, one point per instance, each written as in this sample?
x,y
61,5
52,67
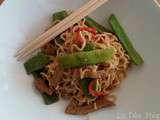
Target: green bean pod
x,y
92,23
50,99
128,46
36,63
79,59
84,84
58,16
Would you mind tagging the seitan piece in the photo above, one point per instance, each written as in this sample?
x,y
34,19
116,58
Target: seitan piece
x,y
101,102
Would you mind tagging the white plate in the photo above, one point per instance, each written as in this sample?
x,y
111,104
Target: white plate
x,y
23,20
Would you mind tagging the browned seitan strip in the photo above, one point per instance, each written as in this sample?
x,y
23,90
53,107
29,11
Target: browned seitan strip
x,y
102,102
57,76
42,87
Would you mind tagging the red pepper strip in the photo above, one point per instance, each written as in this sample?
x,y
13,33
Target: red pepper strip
x,y
89,29
92,92
78,39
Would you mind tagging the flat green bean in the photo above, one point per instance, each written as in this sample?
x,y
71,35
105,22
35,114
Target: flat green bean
x,y
79,59
92,23
36,63
50,99
124,39
58,16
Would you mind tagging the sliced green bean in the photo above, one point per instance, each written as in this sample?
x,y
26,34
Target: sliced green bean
x,y
84,84
50,99
85,58
134,55
36,63
58,16
36,74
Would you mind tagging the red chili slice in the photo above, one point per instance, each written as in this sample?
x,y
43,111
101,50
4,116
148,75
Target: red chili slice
x,y
78,39
89,29
92,92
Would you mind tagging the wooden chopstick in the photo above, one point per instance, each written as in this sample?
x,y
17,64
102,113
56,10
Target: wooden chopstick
x,y
157,2
54,28
80,13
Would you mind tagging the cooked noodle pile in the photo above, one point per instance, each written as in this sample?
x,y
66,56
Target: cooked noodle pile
x,y
109,75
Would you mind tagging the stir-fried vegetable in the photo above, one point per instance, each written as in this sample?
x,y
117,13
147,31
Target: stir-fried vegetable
x,y
85,58
89,46
36,74
84,84
92,90
134,55
79,40
50,99
36,63
89,29
92,23
58,16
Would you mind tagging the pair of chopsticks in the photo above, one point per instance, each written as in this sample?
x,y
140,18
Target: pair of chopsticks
x,y
59,28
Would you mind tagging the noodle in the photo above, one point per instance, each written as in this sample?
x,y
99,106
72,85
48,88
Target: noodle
x,y
109,74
